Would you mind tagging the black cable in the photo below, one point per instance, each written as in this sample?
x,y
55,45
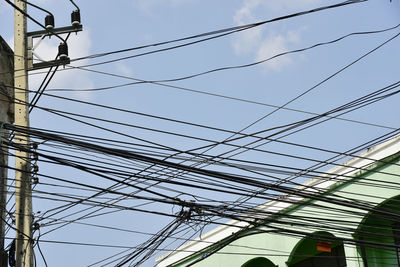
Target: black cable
x,y
201,125
292,127
221,68
198,125
283,141
344,176
38,245
77,8
210,140
268,136
34,20
215,174
307,91
245,166
44,84
38,7
226,31
313,87
329,161
352,222
313,173
153,241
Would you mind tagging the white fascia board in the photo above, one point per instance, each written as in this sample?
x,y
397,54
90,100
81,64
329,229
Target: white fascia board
x,y
355,165
347,169
211,237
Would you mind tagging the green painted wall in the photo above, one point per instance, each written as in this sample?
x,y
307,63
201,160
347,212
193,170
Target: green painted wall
x,y
259,262
278,247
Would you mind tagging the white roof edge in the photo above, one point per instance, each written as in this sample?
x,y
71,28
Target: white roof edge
x,y
349,168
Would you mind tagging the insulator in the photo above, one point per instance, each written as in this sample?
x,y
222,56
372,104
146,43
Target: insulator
x,y
35,226
34,146
76,18
35,168
63,51
49,22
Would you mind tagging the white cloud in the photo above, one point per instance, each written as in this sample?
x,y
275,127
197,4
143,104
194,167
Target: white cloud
x,y
245,13
271,46
78,46
262,44
248,41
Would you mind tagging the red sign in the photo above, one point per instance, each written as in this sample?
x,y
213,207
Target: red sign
x,y
324,246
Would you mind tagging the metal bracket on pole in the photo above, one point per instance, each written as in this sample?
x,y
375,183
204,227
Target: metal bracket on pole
x,y
60,30
48,64
42,34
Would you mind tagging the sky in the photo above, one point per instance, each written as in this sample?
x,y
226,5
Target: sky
x,y
312,81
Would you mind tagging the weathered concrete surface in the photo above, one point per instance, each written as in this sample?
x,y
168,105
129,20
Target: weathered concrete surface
x,y
6,115
6,81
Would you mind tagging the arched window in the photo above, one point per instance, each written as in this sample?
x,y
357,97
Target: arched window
x,y
318,249
259,262
379,234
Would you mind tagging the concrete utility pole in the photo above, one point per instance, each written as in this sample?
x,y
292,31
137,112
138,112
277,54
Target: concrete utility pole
x,y
6,115
23,195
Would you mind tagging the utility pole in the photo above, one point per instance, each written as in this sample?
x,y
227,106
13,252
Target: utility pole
x,y
23,189
6,115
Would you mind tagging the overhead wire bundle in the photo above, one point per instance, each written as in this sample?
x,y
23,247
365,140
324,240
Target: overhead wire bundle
x,y
115,171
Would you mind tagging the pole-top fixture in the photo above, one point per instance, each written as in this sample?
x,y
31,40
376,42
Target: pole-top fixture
x,y
76,18
63,52
49,22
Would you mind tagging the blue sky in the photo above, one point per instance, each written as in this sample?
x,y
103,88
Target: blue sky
x,y
114,25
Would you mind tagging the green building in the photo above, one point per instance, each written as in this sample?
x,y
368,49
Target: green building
x,y
352,219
